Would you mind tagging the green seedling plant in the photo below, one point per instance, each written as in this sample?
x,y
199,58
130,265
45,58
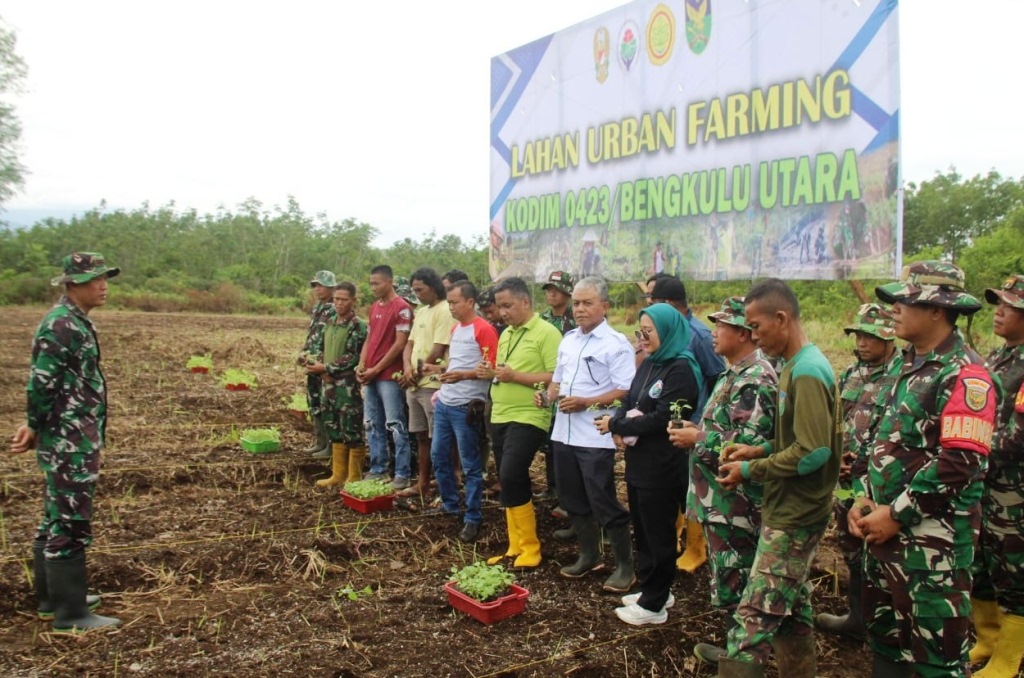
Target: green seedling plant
x,y
679,409
615,404
353,594
233,377
262,435
482,582
204,361
368,489
297,402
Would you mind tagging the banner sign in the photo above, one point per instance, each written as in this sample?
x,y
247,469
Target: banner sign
x,y
710,139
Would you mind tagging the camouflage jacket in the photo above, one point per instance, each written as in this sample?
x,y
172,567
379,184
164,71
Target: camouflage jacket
x,y
67,394
741,409
929,455
1007,363
860,386
342,367
562,323
322,313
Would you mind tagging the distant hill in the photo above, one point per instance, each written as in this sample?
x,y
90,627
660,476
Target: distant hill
x,y
24,217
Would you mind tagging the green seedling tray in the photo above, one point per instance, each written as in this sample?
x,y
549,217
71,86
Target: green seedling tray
x,y
260,447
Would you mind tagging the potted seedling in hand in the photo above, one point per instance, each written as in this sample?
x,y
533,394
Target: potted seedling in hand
x,y
679,410
540,397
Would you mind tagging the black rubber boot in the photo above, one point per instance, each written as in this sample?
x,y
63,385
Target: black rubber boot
x,y
706,652
44,609
589,533
565,534
623,578
67,585
852,623
734,668
796,656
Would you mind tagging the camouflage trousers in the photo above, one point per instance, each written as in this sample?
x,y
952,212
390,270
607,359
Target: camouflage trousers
x,y
342,411
999,563
314,391
731,551
919,617
777,598
70,483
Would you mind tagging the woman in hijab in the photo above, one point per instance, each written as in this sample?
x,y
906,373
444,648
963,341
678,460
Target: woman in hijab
x,y
665,387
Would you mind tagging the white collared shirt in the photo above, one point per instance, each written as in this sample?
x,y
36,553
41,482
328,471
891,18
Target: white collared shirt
x,y
590,364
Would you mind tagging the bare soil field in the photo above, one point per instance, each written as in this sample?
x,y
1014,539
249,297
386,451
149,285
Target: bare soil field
x,y
222,562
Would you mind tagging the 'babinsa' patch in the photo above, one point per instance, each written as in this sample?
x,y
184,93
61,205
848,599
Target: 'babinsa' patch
x,y
969,417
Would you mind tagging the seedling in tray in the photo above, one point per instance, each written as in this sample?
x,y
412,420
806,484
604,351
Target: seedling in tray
x,y
238,380
481,581
200,363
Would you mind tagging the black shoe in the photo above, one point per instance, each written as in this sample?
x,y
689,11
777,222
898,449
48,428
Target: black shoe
x,y
469,532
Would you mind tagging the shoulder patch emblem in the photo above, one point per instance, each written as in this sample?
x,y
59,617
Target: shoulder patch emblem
x,y
655,390
976,393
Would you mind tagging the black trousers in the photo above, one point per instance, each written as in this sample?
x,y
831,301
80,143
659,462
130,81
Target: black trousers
x,y
654,512
586,483
515,445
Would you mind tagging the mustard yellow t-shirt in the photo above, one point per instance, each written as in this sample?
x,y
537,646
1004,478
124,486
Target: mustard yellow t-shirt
x,y
431,325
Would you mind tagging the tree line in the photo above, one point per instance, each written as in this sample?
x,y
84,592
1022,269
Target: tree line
x,y
258,258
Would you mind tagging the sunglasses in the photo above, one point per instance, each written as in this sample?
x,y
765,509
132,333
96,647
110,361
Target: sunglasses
x,y
643,334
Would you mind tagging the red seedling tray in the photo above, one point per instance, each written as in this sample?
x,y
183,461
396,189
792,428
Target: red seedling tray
x,y
384,503
298,414
200,370
487,613
237,387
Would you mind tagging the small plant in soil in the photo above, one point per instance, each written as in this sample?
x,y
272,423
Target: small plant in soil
x,y
353,594
233,377
597,407
481,581
368,489
200,363
297,402
679,409
262,435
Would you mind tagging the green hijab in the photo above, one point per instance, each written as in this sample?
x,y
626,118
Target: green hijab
x,y
674,333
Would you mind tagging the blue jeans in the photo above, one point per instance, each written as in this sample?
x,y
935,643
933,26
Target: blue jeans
x,y
450,426
384,410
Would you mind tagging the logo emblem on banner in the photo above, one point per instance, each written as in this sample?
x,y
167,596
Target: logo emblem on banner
x,y
698,24
661,35
629,44
602,49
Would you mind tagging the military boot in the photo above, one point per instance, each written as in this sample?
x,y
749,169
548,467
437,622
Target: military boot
x,y
851,623
796,656
44,609
623,578
67,584
590,558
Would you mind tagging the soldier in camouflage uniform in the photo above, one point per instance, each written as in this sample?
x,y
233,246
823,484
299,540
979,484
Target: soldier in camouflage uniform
x,y
997,599
66,424
340,394
741,409
558,294
798,470
924,481
878,362
313,352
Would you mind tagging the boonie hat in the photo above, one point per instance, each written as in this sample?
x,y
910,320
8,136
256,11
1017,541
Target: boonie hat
x,y
325,278
1012,292
561,281
933,283
873,319
731,313
81,267
486,298
404,289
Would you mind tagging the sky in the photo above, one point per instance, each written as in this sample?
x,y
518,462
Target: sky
x,y
380,111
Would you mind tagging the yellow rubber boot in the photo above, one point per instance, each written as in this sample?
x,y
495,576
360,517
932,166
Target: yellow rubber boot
x,y
513,540
985,615
1005,661
339,466
529,545
356,457
696,553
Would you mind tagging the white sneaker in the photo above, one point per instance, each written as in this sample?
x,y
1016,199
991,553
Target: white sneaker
x,y
638,616
633,598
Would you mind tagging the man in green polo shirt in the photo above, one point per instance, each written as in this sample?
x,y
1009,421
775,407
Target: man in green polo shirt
x,y
527,352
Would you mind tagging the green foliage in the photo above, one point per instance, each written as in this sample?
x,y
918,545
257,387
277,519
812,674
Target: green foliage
x,y
680,409
368,489
200,361
12,72
481,581
352,593
262,435
236,377
297,402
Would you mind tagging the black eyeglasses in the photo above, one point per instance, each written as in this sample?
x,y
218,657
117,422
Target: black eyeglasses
x,y
643,334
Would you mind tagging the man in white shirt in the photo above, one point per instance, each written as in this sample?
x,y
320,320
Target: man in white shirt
x,y
594,370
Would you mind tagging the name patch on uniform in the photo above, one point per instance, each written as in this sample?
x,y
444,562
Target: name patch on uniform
x,y
968,419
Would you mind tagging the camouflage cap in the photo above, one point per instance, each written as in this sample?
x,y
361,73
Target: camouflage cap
x,y
873,319
404,289
81,267
561,281
325,278
485,298
731,313
1012,292
932,283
